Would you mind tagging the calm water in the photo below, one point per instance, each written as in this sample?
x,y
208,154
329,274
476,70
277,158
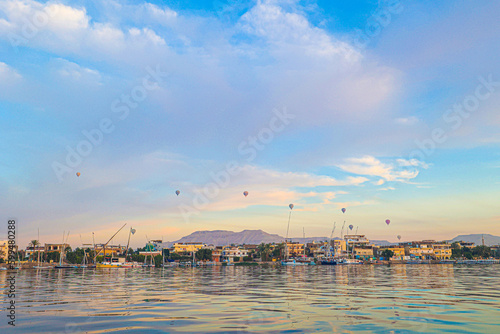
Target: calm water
x,y
341,299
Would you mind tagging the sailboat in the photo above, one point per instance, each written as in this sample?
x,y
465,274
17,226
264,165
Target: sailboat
x,y
287,261
109,264
38,266
62,264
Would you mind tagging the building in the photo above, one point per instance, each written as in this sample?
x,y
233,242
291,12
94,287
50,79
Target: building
x,y
54,247
217,254
364,253
467,244
421,251
294,249
110,250
30,250
188,247
152,248
4,250
356,240
229,253
442,251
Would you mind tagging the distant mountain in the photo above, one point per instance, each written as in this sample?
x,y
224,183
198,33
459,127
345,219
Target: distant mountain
x,y
489,240
382,243
223,238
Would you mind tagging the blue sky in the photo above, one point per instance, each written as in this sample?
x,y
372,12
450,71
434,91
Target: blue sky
x,y
388,108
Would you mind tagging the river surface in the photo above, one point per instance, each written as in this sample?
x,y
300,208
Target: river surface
x,y
327,299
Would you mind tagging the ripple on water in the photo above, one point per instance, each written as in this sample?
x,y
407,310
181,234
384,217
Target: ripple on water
x,y
343,299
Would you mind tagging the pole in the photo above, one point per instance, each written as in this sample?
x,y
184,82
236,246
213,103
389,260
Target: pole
x,y
286,242
104,247
128,243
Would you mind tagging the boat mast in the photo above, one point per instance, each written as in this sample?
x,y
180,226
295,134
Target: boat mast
x,y
304,235
286,238
128,243
104,247
38,244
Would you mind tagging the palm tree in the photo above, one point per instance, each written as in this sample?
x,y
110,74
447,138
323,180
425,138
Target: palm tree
x,y
34,244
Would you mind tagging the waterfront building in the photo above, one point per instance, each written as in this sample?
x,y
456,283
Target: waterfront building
x,y
30,250
217,254
364,253
54,247
4,249
110,250
152,248
294,249
188,247
421,251
229,253
467,244
442,251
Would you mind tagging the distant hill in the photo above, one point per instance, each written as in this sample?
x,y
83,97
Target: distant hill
x,y
489,240
223,238
382,243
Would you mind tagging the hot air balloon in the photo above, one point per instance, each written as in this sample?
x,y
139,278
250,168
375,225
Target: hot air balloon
x,y
291,206
78,174
132,230
387,221
177,192
245,193
343,210
399,237
351,227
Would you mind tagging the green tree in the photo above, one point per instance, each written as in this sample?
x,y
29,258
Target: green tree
x,y
236,259
456,250
247,259
481,251
387,254
279,251
204,254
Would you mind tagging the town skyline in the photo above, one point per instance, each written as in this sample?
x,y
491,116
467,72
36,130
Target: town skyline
x,y
386,108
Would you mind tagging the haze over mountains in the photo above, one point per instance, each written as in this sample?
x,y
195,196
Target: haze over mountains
x,y
223,238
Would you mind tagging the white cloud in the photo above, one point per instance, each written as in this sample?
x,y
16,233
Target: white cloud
x,y
407,120
371,166
162,15
8,75
270,21
69,70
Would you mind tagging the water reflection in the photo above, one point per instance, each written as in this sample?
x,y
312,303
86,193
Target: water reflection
x,y
337,299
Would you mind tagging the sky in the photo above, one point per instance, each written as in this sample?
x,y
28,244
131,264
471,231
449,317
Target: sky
x,y
386,108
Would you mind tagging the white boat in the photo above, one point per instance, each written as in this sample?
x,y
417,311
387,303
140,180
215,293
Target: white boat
x,y
349,261
293,262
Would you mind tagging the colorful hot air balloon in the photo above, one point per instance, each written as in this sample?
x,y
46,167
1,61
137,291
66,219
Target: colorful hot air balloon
x,y
132,230
387,221
177,192
291,206
245,193
399,237
351,227
78,174
343,210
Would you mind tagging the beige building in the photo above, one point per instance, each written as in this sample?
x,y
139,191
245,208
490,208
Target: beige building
x,y
442,251
230,253
188,247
